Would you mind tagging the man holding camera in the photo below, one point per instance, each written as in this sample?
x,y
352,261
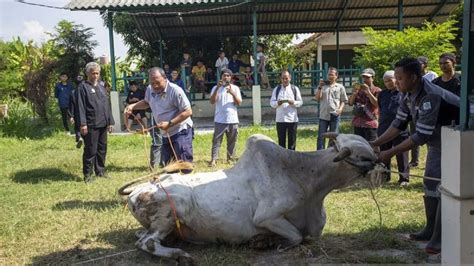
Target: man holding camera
x,y
285,99
365,103
331,97
226,97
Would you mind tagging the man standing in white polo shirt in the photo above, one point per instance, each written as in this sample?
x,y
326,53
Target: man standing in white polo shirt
x,y
285,99
172,113
226,97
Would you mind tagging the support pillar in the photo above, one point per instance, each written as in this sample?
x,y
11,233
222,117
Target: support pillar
x,y
458,209
256,101
114,95
400,15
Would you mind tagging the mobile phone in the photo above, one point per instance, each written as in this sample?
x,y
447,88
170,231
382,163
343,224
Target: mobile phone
x,y
327,82
284,101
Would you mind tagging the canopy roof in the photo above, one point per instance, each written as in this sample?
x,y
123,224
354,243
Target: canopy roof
x,y
177,18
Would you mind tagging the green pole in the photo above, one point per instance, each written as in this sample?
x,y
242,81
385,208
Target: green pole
x,y
110,23
400,15
254,27
161,53
467,68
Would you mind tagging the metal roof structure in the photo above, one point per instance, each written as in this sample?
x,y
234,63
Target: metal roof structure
x,y
177,18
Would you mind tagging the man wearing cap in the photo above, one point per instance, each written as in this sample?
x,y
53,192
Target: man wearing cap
x,y
286,98
427,74
388,101
226,96
365,104
172,113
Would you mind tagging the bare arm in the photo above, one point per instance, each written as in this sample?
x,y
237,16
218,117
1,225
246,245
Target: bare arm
x,y
373,100
387,136
165,125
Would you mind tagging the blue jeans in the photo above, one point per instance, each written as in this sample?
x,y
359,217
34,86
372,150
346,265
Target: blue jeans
x,y
333,125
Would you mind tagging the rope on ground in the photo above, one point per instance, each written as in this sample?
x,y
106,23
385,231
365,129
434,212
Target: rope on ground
x,y
106,256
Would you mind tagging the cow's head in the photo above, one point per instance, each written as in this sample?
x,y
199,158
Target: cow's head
x,y
354,150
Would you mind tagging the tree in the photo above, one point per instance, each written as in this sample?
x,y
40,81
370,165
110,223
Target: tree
x,y
384,48
280,51
75,47
28,73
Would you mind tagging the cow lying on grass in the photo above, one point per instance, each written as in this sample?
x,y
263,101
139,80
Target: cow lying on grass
x,y
271,191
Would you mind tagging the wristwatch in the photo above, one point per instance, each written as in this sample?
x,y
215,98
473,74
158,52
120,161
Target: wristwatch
x,y
170,124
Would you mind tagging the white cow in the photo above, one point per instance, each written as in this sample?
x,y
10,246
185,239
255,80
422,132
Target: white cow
x,y
270,191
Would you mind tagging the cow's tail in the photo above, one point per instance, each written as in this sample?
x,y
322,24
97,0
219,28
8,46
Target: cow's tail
x,y
125,190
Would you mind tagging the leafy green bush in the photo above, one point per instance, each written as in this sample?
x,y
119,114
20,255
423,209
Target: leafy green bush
x,y
385,47
22,122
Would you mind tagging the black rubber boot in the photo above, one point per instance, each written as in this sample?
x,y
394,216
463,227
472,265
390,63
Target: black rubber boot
x,y
434,246
431,206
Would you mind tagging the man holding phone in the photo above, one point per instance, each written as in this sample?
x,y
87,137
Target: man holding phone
x,y
331,97
226,97
286,98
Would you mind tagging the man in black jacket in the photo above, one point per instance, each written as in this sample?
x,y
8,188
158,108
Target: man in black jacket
x,y
95,119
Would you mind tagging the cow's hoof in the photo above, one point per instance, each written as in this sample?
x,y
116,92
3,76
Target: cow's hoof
x,y
140,233
286,245
264,241
185,260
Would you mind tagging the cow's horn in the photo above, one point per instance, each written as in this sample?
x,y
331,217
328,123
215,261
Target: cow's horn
x,y
331,135
343,153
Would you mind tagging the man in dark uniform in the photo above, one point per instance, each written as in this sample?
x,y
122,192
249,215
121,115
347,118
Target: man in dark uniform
x,y
95,119
425,103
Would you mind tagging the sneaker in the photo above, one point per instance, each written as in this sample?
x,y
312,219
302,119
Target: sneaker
x,y
212,163
79,143
103,175
404,184
413,164
88,179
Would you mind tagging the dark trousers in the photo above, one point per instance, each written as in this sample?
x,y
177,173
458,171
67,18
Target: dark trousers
x,y
156,143
402,159
333,126
183,146
284,129
95,148
415,151
369,134
64,116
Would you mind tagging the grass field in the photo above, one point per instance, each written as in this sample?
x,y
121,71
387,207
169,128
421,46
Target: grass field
x,y
49,215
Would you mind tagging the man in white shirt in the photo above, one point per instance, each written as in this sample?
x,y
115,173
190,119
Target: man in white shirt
x,y
286,98
222,62
226,97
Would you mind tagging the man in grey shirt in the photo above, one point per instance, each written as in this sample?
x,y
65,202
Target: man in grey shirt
x,y
331,97
172,112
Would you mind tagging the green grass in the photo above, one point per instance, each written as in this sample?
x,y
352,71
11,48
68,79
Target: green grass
x,y
48,214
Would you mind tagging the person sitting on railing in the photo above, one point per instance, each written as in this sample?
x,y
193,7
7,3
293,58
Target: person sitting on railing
x,y
210,79
176,80
134,96
199,72
248,78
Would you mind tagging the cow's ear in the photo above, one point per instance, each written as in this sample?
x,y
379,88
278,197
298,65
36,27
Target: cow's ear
x,y
343,154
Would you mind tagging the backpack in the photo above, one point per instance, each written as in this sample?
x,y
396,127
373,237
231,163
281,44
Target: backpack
x,y
279,89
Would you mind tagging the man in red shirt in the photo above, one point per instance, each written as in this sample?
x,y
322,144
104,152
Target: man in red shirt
x,y
365,104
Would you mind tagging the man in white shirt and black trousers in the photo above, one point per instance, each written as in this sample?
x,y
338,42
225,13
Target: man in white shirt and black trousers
x,y
226,97
286,98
